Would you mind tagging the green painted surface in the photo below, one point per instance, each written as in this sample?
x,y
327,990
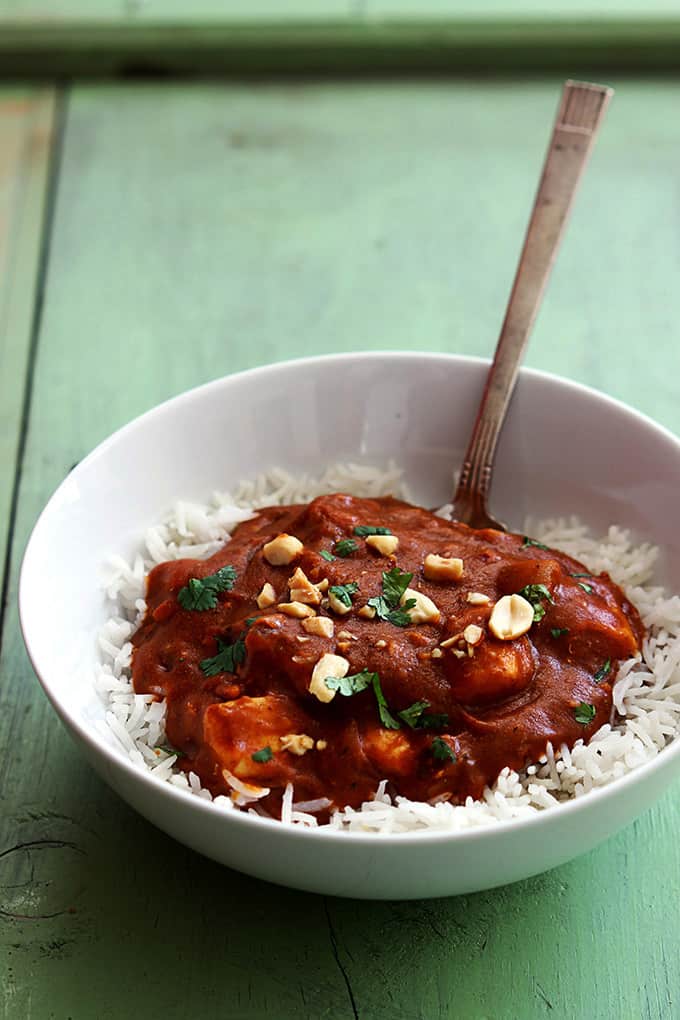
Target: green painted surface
x,y
239,37
203,229
26,126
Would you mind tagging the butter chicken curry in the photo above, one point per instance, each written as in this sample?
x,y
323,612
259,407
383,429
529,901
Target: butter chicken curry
x,y
352,640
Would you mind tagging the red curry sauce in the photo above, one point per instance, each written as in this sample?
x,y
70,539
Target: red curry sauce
x,y
470,709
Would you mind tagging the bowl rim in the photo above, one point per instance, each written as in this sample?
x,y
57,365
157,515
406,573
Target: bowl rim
x,y
174,795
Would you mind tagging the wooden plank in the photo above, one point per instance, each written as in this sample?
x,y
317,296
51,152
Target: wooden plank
x,y
26,130
204,229
299,36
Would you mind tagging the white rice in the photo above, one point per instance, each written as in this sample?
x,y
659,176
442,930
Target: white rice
x,y
645,716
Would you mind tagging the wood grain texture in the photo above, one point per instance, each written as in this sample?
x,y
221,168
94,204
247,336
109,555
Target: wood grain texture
x,y
204,229
26,129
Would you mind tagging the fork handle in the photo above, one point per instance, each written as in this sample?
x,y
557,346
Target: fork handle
x,y
579,116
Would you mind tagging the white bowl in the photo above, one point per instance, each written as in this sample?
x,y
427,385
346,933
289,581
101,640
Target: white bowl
x,y
565,449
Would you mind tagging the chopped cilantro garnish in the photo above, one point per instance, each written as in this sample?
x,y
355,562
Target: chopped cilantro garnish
x,y
169,750
417,718
580,575
441,750
349,685
250,621
535,594
363,530
394,584
412,714
358,682
263,755
530,541
602,671
201,592
344,592
558,632
584,713
345,547
326,555
227,659
433,721
386,717
588,588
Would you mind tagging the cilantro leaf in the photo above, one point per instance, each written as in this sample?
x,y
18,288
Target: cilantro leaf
x,y
588,588
394,584
345,547
227,659
349,685
412,714
169,750
584,713
400,617
535,593
196,596
580,575
417,718
530,541
386,717
263,755
344,592
441,750
201,592
602,671
433,721
558,632
358,682
363,530
326,555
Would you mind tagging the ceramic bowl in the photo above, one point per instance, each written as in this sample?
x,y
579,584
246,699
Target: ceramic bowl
x,y
565,449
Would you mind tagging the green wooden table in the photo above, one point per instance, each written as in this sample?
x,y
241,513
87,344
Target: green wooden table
x,y
153,237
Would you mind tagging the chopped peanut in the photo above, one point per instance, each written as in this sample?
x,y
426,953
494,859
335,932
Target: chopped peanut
x,y
298,609
321,625
267,596
384,544
322,586
477,598
473,634
436,653
282,550
511,617
327,666
337,606
346,636
442,568
453,640
424,610
367,612
297,743
321,745
302,589
381,644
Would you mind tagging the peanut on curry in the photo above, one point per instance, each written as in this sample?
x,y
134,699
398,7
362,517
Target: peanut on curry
x,y
352,640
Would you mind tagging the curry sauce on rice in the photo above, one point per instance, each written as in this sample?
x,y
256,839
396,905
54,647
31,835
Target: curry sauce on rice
x,y
430,686
337,644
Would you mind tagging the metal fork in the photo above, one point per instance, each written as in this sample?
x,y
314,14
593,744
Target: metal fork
x,y
578,118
